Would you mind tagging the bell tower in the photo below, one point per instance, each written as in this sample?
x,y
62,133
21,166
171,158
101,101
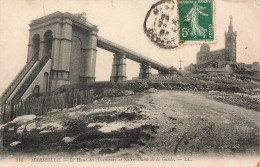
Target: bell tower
x,y
230,43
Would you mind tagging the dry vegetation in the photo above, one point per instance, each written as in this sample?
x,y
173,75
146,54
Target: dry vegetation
x,y
184,117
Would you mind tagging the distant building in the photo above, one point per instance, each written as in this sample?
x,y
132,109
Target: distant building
x,y
190,68
241,65
219,58
256,66
222,60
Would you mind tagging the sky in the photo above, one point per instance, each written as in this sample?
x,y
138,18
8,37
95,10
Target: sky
x,y
121,21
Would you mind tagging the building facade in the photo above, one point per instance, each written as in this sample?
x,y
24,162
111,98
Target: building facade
x,y
219,58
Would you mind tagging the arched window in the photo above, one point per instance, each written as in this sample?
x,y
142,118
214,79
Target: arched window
x,y
36,89
46,82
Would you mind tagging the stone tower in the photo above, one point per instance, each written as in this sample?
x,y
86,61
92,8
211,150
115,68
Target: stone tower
x,y
61,51
71,41
230,43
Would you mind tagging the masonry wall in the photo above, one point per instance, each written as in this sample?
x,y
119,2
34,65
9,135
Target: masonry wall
x,y
77,63
39,80
75,60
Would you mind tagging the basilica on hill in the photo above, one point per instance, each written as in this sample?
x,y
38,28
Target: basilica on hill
x,y
222,60
219,58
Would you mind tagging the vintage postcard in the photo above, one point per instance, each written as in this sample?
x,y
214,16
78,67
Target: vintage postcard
x,y
130,83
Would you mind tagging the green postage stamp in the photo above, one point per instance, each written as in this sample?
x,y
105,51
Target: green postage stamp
x,y
196,20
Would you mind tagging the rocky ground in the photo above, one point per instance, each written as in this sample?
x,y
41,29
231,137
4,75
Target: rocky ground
x,y
164,122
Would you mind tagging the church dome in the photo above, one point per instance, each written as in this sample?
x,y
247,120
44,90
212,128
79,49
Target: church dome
x,y
204,48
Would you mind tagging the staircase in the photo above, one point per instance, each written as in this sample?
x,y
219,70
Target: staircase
x,y
10,89
30,79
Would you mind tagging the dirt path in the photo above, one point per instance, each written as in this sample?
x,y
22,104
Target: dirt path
x,y
163,123
192,124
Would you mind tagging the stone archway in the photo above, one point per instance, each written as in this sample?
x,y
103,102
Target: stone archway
x,y
48,37
35,44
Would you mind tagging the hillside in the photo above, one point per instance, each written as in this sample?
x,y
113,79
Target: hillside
x,y
140,124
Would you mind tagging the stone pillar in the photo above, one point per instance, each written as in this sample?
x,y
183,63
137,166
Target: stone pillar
x,y
61,51
41,51
30,48
55,48
113,77
145,71
121,69
65,46
148,73
30,52
89,59
141,72
172,71
118,68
